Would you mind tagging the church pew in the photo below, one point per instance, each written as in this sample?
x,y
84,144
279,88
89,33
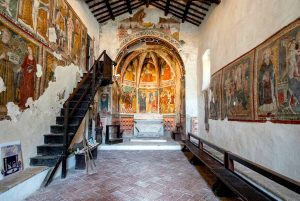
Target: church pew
x,y
227,177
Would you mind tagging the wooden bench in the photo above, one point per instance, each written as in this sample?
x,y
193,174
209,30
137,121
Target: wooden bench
x,y
227,178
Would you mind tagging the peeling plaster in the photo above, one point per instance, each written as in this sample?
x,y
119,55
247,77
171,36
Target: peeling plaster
x,y
42,111
57,56
2,85
39,71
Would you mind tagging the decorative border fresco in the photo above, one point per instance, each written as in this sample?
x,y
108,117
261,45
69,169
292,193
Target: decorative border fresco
x,y
274,79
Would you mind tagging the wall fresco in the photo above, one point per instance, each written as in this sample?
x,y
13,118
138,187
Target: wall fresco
x,y
148,100
167,100
215,96
128,100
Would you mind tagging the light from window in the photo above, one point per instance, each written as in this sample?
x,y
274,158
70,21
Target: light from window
x,y
206,69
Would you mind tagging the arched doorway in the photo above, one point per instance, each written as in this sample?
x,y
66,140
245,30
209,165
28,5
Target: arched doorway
x,y
150,81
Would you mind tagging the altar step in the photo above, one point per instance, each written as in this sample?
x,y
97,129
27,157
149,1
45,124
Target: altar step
x,y
144,144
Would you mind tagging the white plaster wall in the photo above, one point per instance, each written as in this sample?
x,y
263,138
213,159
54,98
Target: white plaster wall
x,y
189,51
30,126
231,29
88,19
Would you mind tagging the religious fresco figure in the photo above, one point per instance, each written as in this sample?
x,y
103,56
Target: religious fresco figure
x,y
9,7
148,73
130,74
28,70
40,17
70,30
26,12
7,67
142,102
166,72
266,84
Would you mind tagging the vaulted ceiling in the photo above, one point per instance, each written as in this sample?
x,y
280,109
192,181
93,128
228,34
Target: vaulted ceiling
x,y
192,11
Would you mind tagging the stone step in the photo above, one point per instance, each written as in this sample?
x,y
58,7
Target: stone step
x,y
56,138
50,149
48,160
56,129
72,120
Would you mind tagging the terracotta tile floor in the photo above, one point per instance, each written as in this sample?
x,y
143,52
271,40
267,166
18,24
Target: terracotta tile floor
x,y
135,175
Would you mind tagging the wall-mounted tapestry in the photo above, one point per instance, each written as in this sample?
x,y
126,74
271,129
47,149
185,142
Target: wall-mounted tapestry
x,y
167,100
148,100
276,82
266,64
288,73
215,96
237,89
128,100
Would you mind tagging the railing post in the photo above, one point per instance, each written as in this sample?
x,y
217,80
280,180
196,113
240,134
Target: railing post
x,y
65,141
228,163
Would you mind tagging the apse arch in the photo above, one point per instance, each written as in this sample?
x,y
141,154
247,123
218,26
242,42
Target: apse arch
x,y
168,88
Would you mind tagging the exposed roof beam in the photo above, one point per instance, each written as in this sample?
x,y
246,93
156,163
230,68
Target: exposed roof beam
x,y
167,7
129,6
109,10
187,7
147,3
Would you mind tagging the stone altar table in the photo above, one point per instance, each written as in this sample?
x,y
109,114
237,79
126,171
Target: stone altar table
x,y
148,125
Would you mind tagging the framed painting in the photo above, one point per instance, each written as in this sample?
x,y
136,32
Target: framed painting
x,y
215,96
237,90
11,158
104,99
148,100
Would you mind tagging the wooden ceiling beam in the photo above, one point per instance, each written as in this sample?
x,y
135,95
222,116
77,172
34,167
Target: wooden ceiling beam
x,y
199,6
167,7
109,10
98,9
96,4
129,6
187,7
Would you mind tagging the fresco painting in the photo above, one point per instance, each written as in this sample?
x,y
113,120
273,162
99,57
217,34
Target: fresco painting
x,y
237,89
148,73
9,8
137,23
167,100
148,100
52,22
128,100
18,60
130,73
104,103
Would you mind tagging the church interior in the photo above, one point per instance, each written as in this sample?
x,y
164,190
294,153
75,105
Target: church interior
x,y
149,100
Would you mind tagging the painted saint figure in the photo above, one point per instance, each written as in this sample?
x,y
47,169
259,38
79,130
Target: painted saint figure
x,y
143,102
70,26
266,84
28,69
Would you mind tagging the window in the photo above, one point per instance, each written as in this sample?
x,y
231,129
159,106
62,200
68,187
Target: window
x,y
206,69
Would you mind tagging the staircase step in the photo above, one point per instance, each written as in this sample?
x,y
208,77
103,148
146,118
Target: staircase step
x,y
60,128
82,104
50,149
48,160
79,111
72,120
56,138
78,96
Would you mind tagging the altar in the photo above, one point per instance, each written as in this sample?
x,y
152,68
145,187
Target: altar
x,y
148,125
